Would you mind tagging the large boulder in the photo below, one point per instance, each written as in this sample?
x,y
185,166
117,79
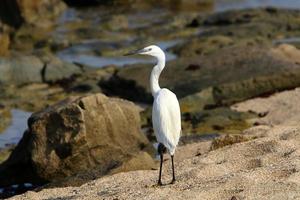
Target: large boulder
x,y
78,135
38,12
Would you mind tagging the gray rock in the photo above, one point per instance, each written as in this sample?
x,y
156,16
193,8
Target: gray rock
x,y
56,70
20,70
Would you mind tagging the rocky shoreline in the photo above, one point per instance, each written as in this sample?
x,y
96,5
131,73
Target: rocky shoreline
x,y
266,155
222,60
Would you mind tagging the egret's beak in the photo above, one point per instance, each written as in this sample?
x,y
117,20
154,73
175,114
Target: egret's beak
x,y
135,52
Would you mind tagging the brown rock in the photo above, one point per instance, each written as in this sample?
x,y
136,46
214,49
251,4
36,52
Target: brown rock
x,y
5,117
288,52
279,109
78,135
4,44
37,12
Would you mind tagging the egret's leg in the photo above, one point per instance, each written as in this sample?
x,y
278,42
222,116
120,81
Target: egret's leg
x,y
173,180
161,149
160,169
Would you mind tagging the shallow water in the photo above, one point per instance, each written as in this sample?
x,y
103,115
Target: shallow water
x,y
291,40
14,132
223,5
81,53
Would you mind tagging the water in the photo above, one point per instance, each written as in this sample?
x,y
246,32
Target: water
x,y
223,5
292,40
16,189
14,132
82,54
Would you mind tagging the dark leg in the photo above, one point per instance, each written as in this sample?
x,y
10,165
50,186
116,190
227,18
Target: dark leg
x,y
173,180
161,149
160,169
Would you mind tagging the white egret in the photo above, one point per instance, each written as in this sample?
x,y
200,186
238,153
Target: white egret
x,y
166,116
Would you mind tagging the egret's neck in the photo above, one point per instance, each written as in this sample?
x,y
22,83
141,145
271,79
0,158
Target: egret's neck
x,y
156,71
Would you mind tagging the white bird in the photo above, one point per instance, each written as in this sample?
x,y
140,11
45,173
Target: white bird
x,y
166,116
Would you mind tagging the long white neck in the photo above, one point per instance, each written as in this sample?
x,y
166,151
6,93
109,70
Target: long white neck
x,y
156,71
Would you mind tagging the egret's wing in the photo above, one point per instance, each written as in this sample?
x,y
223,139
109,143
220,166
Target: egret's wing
x,y
166,119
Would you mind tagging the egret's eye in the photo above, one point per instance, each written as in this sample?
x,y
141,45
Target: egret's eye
x,y
149,49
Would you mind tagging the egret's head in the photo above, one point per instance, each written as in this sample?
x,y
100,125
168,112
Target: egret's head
x,y
151,50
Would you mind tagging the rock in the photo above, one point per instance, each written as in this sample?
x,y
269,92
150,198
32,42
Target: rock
x,y
285,21
199,46
272,162
117,22
230,93
289,52
40,13
75,136
244,67
20,70
31,97
252,26
216,121
278,109
198,101
4,44
89,80
232,17
57,70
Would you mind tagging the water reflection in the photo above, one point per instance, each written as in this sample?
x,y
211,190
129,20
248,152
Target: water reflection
x,y
14,132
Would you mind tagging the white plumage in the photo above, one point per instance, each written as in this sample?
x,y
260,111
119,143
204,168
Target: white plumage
x,y
166,116
166,119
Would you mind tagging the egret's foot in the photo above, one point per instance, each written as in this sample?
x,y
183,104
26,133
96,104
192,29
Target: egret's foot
x,y
159,183
173,181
